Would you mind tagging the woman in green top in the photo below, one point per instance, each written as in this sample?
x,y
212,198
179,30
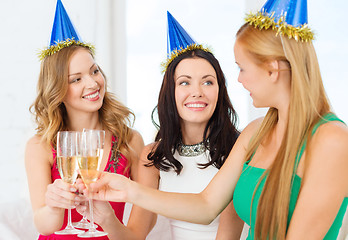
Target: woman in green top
x,y
291,166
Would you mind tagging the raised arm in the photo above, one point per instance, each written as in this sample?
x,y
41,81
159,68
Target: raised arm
x,y
198,208
140,221
324,183
48,200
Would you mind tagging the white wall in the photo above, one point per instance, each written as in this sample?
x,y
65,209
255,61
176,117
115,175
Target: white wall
x,y
215,25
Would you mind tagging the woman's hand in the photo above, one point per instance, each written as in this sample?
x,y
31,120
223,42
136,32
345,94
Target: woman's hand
x,y
110,187
60,194
79,184
102,211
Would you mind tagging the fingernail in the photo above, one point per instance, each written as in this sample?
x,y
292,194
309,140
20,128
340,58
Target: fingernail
x,y
73,189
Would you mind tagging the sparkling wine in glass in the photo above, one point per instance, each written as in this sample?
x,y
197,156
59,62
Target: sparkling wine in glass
x,y
92,145
67,153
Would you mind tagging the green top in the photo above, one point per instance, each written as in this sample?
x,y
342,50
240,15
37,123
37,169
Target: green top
x,y
249,179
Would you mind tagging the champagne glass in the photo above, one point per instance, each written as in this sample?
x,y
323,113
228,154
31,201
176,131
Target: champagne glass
x,y
67,152
92,144
83,223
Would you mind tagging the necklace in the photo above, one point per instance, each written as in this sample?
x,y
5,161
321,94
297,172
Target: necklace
x,y
191,150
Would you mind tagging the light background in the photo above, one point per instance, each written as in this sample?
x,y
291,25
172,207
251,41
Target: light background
x,y
130,38
215,25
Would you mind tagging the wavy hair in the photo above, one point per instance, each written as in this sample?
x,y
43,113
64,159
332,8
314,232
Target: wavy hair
x,y
308,103
50,112
220,134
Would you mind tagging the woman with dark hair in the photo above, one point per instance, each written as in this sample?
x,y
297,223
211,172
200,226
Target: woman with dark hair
x,y
219,134
196,132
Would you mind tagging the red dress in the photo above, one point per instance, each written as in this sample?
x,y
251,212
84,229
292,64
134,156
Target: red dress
x,y
117,163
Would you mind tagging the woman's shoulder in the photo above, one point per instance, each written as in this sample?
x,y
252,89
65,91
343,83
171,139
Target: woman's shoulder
x,y
333,132
329,146
136,140
135,146
251,128
37,143
255,123
135,135
37,149
149,148
146,150
327,157
36,139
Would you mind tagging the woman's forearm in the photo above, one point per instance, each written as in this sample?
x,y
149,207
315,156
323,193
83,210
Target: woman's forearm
x,y
186,207
201,208
48,220
117,231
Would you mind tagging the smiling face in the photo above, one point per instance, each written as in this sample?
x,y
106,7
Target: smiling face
x,y
196,91
254,78
86,84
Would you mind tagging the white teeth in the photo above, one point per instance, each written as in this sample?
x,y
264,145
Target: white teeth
x,y
195,105
92,95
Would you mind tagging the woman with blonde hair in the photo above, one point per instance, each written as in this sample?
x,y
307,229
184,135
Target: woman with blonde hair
x,y
72,95
287,172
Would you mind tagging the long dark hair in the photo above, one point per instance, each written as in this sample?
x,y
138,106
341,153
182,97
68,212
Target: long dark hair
x,y
220,134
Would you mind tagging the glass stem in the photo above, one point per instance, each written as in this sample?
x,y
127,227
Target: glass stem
x,y
69,225
92,228
84,216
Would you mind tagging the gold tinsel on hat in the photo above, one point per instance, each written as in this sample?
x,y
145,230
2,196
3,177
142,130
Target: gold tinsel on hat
x,y
177,52
260,20
63,44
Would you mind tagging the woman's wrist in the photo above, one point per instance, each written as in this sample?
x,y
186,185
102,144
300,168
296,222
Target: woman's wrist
x,y
55,210
134,192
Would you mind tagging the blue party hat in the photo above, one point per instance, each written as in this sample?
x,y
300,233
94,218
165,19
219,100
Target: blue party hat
x,y
288,17
178,41
177,37
62,28
63,33
295,12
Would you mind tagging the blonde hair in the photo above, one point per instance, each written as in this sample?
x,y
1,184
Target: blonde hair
x,y
308,102
49,110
